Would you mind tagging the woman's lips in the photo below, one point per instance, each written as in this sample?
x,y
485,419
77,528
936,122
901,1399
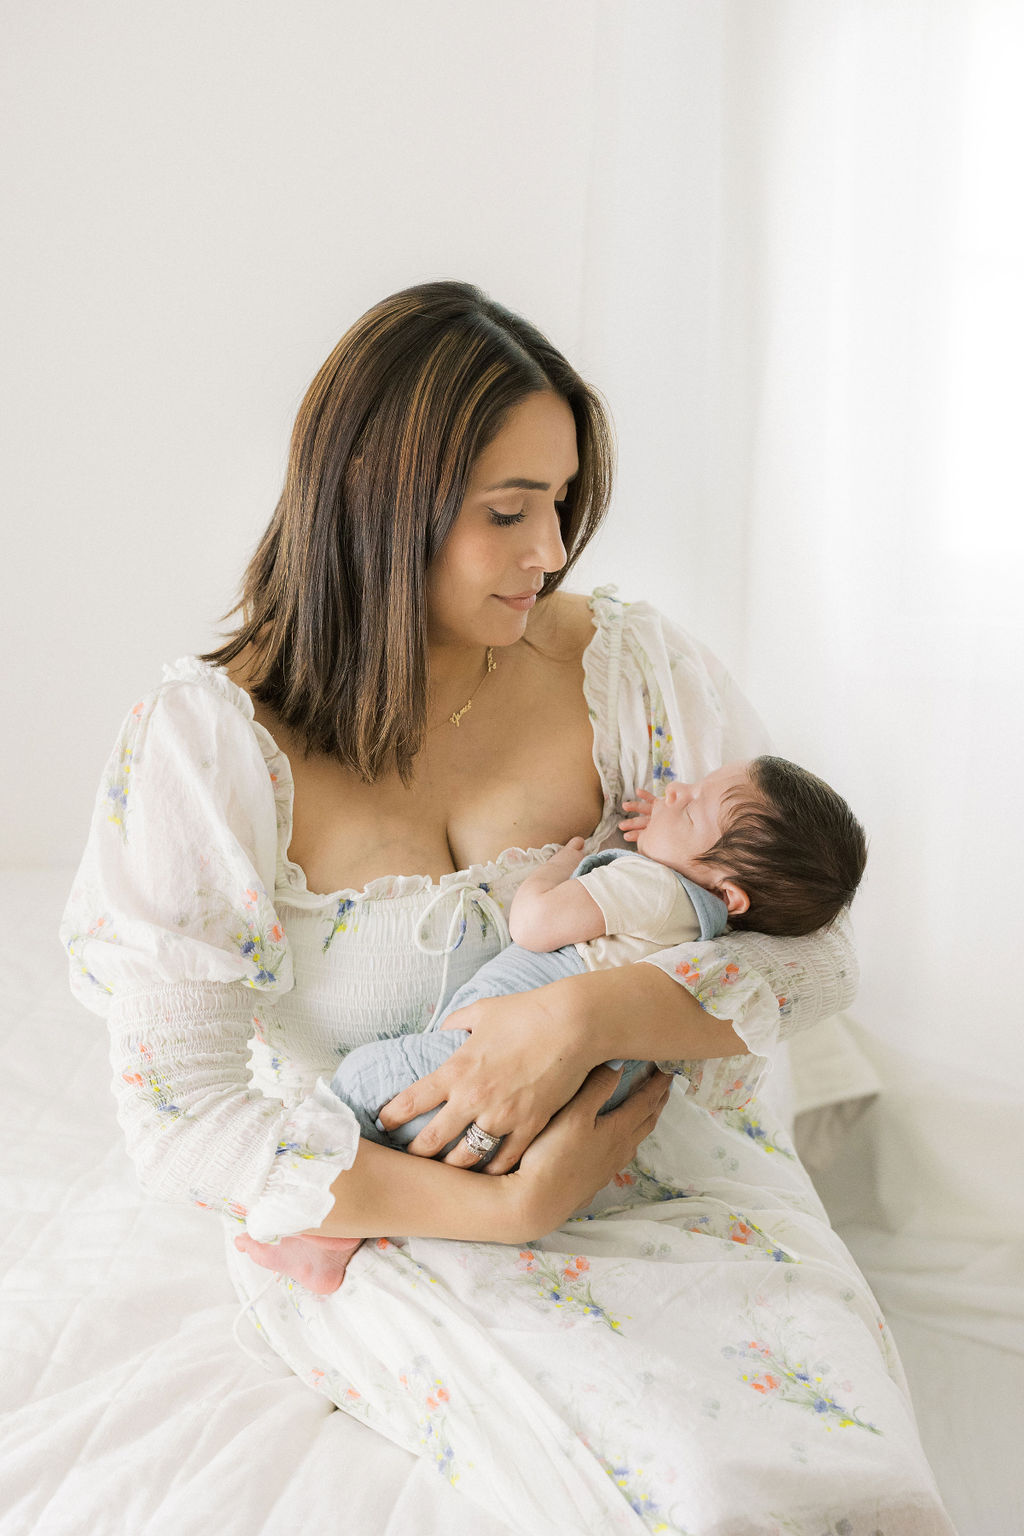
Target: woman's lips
x,y
522,602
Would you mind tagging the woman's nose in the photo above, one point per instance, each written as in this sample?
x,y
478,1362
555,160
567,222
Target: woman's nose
x,y
548,553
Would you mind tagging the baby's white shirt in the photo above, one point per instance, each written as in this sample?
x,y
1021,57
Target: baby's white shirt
x,y
645,907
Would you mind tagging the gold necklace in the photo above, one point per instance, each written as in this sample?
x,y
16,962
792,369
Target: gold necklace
x,y
492,666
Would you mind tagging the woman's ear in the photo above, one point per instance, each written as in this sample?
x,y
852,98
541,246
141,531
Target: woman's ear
x,y
734,896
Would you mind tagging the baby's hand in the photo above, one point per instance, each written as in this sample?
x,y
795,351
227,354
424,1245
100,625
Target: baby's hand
x,y
569,855
639,814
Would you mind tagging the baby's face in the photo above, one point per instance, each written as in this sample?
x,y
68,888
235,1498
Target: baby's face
x,y
691,818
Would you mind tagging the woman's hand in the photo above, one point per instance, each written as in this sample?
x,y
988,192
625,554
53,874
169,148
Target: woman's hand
x,y
582,1150
639,814
523,1061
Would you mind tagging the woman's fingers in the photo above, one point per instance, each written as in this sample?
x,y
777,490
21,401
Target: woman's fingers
x,y
450,1124
465,1156
512,1148
597,1087
417,1099
641,1110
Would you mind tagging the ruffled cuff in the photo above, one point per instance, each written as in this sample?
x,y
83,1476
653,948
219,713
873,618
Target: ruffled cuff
x,y
709,971
318,1141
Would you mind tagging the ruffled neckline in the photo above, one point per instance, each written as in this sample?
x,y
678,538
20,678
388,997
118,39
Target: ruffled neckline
x,y
291,877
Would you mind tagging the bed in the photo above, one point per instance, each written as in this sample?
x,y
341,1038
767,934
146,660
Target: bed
x,y
128,1406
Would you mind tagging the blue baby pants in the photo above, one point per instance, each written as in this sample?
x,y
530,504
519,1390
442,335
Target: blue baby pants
x,y
371,1075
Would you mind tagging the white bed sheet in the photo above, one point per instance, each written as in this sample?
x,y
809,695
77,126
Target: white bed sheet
x,y
126,1405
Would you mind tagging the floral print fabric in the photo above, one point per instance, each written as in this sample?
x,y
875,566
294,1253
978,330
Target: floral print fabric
x,y
696,1352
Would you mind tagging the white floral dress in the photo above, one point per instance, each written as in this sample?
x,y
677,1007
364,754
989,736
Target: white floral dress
x,y
697,1352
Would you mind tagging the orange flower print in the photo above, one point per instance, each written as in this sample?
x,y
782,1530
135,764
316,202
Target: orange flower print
x,y
794,1383
688,971
565,1286
729,974
276,933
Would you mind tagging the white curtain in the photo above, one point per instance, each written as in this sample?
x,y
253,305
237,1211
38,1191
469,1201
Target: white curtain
x,y
851,529
828,224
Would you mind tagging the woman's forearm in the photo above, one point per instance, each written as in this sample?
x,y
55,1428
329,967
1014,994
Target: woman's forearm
x,y
392,1193
636,1011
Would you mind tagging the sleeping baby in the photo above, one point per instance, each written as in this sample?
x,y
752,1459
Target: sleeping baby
x,y
762,844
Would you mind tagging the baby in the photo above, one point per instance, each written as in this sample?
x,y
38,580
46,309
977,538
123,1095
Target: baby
x,y
762,844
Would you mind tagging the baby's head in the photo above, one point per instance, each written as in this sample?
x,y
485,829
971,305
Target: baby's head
x,y
780,847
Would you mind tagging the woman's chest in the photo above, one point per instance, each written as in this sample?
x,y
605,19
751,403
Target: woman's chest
x,y
519,778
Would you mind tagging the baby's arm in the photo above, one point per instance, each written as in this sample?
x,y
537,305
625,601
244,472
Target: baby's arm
x,y
551,909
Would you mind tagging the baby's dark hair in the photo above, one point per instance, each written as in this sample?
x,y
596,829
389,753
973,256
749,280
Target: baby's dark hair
x,y
795,847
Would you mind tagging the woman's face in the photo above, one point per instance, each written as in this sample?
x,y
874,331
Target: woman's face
x,y
484,580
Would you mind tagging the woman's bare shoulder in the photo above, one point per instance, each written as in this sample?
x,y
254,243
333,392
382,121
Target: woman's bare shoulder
x,y
563,625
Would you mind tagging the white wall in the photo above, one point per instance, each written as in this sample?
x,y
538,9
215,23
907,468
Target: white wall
x,y
204,198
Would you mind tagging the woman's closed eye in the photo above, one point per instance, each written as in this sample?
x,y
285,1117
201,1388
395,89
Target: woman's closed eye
x,y
509,519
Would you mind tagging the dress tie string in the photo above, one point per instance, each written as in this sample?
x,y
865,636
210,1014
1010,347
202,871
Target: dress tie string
x,y
468,894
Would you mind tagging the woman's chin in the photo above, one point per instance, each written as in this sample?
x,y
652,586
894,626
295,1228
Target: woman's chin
x,y
508,626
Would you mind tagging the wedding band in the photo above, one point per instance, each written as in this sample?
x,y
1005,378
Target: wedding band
x,y
481,1141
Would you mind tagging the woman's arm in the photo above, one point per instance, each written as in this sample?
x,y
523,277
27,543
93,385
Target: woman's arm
x,y
579,1152
528,1054
637,1011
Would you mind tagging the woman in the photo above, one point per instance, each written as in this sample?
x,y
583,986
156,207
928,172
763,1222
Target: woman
x,y
409,718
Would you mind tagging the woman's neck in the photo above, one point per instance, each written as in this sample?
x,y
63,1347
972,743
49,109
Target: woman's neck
x,y
455,673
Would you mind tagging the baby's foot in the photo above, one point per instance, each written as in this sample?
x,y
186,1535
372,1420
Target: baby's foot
x,y
317,1263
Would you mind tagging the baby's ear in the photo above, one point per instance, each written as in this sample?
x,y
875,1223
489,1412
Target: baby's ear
x,y
734,896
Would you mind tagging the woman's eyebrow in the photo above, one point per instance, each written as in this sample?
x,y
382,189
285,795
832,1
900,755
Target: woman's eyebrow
x,y
525,485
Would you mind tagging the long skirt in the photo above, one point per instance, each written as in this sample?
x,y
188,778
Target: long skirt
x,y
695,1353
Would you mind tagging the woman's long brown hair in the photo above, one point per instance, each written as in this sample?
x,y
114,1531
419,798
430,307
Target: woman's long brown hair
x,y
333,602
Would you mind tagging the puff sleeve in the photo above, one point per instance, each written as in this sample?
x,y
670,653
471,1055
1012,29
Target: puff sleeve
x,y
673,711
173,937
